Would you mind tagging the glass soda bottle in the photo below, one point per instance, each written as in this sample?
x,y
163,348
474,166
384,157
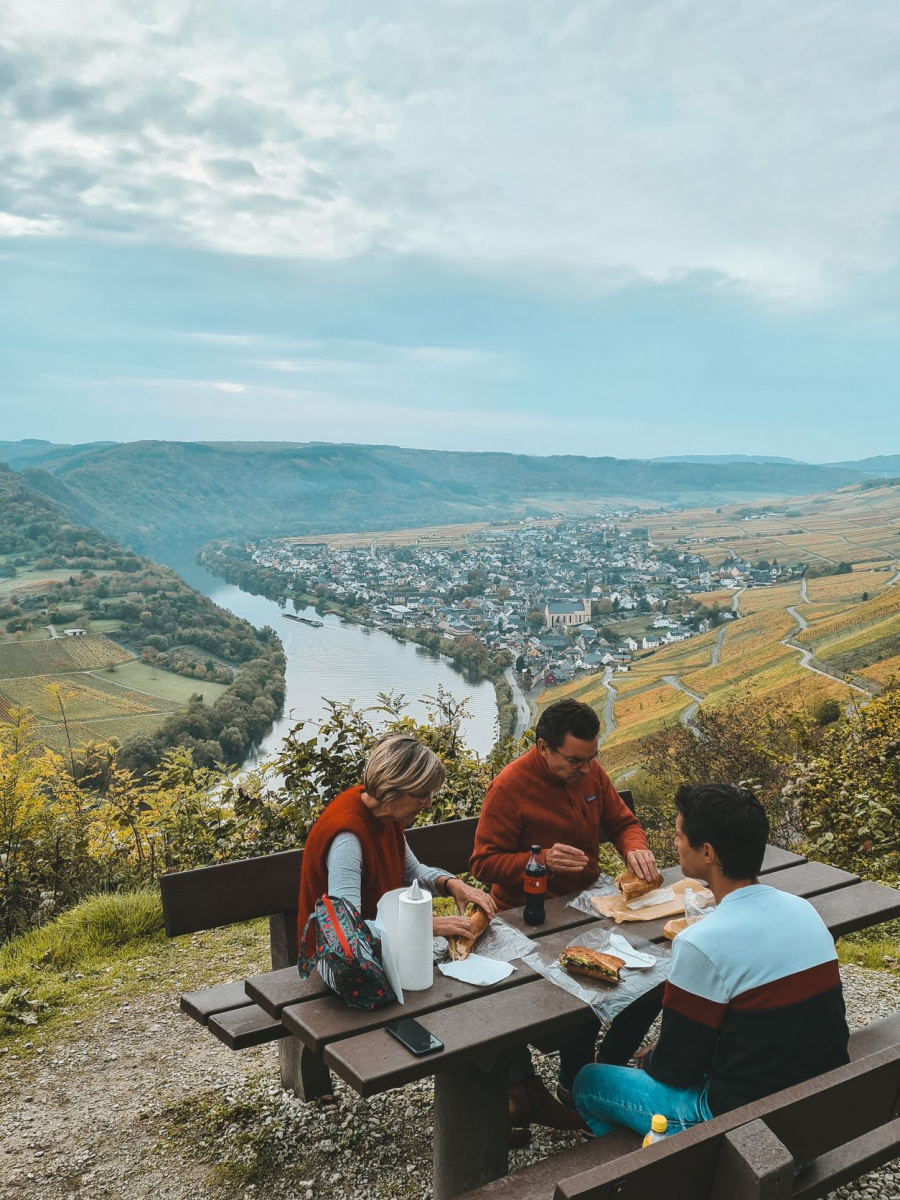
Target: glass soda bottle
x,y
658,1127
535,888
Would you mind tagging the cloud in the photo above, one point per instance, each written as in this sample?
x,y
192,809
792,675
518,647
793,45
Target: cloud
x,y
751,146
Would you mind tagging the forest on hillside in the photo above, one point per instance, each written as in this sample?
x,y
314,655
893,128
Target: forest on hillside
x,y
56,573
180,494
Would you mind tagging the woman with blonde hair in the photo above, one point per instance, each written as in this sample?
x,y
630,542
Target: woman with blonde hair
x,y
357,848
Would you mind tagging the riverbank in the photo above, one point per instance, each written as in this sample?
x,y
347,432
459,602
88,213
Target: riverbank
x,y
468,654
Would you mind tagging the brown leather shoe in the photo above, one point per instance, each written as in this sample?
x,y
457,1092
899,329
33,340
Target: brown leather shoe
x,y
531,1104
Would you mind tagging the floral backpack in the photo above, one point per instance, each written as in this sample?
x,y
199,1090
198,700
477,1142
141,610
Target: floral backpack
x,y
347,955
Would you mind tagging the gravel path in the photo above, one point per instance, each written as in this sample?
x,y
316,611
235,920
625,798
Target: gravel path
x,y
101,1114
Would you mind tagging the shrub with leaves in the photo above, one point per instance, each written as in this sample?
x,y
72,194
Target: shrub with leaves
x,y
847,794
71,827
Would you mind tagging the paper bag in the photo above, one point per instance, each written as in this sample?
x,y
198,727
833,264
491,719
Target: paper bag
x,y
616,907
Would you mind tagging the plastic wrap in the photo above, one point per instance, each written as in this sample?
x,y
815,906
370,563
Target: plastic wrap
x,y
500,941
606,1000
603,887
698,904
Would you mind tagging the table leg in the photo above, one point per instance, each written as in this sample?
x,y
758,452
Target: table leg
x,y
303,1072
471,1128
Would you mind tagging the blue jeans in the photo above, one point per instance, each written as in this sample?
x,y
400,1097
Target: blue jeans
x,y
609,1096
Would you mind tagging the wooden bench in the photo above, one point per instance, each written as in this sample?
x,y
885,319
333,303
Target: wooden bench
x,y
840,1125
268,886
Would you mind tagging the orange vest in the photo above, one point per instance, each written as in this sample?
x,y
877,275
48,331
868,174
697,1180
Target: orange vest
x,y
383,853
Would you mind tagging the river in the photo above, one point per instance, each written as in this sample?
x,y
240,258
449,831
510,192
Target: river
x,y
341,661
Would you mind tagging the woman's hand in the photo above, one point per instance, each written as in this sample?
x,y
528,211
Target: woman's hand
x,y
642,863
448,927
464,893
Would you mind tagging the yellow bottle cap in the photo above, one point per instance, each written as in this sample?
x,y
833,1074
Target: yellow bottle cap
x,y
659,1124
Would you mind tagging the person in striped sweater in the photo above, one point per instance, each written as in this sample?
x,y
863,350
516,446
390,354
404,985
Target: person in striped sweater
x,y
753,1003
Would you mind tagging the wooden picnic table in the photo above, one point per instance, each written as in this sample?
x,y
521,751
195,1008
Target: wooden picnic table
x,y
478,1025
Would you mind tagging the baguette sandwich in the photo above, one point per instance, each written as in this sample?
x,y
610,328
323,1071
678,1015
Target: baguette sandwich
x,y
633,887
604,968
461,948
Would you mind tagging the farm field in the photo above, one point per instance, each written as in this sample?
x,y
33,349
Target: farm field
x,y
755,660
166,684
104,691
84,696
759,630
765,599
100,730
50,656
855,524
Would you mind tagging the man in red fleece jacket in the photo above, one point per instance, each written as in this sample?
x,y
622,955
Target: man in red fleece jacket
x,y
558,797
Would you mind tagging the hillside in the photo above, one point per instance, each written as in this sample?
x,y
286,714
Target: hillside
x,y
827,636
153,664
181,494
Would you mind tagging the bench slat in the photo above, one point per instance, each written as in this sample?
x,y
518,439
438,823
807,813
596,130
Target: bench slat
x,y
447,845
810,1119
224,894
538,1181
857,907
206,1003
776,859
245,1027
871,1039
848,1162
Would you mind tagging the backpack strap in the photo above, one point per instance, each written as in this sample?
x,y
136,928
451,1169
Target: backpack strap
x,y
307,958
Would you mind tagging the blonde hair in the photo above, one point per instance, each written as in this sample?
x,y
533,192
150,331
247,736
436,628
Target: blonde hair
x,y
399,765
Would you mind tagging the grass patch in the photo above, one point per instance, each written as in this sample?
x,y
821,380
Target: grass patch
x,y
877,948
36,967
109,949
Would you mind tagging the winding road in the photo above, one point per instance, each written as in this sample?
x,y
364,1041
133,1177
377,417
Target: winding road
x,y
609,720
688,715
806,656
523,709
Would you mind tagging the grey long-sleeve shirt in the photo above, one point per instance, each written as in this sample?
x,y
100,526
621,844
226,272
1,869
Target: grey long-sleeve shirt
x,y
345,865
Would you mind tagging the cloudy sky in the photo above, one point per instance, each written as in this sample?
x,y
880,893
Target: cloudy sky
x,y
629,227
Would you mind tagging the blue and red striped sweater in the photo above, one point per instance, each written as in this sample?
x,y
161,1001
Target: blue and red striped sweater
x,y
753,1002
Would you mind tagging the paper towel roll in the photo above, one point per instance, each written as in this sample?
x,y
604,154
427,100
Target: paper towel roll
x,y
415,937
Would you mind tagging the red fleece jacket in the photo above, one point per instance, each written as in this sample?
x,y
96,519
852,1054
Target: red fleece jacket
x,y
526,805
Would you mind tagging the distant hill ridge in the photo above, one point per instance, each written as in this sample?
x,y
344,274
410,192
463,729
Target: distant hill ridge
x,y
155,494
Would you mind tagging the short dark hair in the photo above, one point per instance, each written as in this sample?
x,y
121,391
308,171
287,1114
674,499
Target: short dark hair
x,y
567,716
731,819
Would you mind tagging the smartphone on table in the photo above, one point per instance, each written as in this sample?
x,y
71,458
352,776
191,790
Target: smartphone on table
x,y
415,1037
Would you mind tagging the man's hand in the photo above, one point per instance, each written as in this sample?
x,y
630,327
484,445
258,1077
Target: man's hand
x,y
642,1054
464,893
562,859
642,863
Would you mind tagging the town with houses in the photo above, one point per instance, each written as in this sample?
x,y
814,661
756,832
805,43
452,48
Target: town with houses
x,y
580,596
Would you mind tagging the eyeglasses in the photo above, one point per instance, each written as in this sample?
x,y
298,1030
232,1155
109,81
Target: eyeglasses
x,y
574,761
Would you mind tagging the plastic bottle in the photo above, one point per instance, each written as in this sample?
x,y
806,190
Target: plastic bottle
x,y
535,888
658,1126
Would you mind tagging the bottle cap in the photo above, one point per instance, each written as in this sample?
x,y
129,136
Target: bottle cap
x,y
659,1124
535,849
